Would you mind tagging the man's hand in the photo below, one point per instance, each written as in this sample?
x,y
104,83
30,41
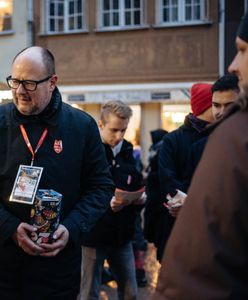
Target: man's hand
x,y
22,239
175,203
117,204
141,200
61,235
174,211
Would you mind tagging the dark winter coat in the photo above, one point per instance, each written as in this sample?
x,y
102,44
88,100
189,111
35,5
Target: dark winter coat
x,y
79,172
153,210
173,158
194,158
207,254
117,228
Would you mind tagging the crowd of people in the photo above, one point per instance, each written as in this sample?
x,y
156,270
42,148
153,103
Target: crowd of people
x,y
194,197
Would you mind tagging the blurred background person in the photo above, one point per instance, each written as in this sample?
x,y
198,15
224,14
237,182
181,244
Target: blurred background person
x,y
175,150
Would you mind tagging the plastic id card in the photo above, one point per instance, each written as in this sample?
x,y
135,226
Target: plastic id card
x,y
26,184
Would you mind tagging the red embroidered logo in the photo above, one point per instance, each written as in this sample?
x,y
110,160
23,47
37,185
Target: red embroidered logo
x,y
58,146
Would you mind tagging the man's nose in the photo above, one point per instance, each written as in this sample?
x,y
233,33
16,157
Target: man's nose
x,y
233,66
119,135
21,89
222,111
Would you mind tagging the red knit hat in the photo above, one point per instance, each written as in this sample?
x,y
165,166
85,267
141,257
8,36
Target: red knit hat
x,y
201,97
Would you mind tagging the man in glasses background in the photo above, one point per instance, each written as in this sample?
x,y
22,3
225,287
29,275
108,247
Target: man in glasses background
x,y
38,129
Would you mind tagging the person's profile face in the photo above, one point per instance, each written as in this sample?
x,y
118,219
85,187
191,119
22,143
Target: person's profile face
x,y
221,100
239,65
31,102
113,129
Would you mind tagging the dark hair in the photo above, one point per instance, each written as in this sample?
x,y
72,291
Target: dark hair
x,y
48,59
226,83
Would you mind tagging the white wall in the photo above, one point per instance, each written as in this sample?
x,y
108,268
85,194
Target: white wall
x,y
11,44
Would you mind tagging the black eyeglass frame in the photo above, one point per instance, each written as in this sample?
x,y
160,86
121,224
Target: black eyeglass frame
x,y
36,82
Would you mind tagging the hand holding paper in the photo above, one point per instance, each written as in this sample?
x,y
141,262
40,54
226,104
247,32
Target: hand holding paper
x,y
117,204
177,200
123,198
174,203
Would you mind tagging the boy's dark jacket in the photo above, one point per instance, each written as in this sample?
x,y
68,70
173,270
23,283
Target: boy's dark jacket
x,y
117,228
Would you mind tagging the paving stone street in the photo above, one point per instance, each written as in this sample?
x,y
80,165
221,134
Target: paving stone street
x,y
108,292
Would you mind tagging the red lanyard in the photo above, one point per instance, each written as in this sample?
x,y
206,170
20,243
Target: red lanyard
x,y
26,139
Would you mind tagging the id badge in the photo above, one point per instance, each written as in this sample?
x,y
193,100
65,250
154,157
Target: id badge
x,y
26,184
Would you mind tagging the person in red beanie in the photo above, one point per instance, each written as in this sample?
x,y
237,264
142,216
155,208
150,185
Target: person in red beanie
x,y
225,92
201,101
174,153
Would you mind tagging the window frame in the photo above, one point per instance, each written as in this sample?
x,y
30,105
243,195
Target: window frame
x,y
65,17
181,9
121,13
10,20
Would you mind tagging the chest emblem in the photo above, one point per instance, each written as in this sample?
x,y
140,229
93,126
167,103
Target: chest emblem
x,y
58,146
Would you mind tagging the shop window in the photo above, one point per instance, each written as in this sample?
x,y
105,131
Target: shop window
x,y
64,16
173,116
133,130
181,11
120,13
6,13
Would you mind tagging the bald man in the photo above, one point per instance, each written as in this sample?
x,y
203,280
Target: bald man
x,y
40,132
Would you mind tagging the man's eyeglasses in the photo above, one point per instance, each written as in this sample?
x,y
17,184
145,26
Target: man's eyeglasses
x,y
29,85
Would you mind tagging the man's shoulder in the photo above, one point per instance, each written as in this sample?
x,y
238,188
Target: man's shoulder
x,y
126,144
5,107
232,131
233,122
5,110
80,115
175,134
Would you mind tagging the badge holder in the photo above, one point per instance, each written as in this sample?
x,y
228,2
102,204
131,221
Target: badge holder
x,y
26,184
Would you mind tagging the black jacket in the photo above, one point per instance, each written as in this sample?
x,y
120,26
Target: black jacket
x,y
80,172
117,228
173,158
194,158
153,210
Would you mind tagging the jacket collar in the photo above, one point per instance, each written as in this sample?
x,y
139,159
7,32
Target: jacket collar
x,y
48,116
198,124
126,146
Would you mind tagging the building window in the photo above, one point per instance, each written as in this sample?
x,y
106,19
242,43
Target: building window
x,y
121,13
181,11
6,12
64,16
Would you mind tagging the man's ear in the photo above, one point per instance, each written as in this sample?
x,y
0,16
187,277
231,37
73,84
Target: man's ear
x,y
53,82
100,124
